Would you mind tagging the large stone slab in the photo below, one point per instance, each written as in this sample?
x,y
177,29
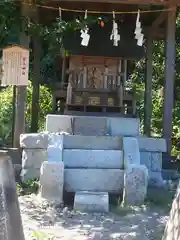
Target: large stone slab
x,y
80,158
91,201
123,126
52,181
131,151
34,140
172,230
152,144
90,126
59,123
135,184
33,158
95,180
92,142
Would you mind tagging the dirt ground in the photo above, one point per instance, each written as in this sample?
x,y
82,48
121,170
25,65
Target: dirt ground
x,y
138,223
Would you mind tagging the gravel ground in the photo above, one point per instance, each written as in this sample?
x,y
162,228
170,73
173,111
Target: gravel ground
x,y
65,224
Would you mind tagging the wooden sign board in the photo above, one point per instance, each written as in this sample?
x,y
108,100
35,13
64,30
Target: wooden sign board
x,y
15,66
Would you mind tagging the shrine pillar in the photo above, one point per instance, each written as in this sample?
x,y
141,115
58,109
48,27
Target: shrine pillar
x,y
169,77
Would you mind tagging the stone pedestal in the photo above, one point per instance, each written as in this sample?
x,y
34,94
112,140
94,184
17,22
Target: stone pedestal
x,y
52,181
85,201
135,184
131,151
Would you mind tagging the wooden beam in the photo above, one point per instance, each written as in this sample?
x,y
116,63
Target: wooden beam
x,y
169,77
159,20
148,87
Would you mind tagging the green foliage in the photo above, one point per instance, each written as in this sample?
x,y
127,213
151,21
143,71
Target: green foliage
x,y
6,111
28,187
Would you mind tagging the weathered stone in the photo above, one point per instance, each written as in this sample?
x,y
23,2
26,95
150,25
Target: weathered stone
x,y
59,123
146,159
55,148
34,140
93,142
52,181
172,230
152,144
135,184
90,126
156,161
94,180
29,173
91,201
10,218
80,158
33,158
123,126
131,151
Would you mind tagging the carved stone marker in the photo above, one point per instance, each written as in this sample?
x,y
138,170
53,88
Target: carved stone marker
x,y
10,218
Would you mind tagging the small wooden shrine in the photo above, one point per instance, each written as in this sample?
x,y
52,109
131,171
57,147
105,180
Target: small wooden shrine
x,y
95,78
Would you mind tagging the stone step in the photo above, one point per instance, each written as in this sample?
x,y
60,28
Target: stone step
x,y
85,201
92,142
102,159
95,180
93,126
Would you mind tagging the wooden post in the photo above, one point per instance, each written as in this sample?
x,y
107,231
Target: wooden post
x,y
36,74
148,87
169,76
19,126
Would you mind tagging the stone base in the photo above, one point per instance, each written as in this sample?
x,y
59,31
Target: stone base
x,y
135,185
91,201
52,181
94,180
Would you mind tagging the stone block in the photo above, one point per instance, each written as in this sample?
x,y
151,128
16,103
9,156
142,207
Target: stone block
x,y
55,148
135,185
146,159
123,126
52,181
34,140
80,158
29,174
152,144
95,180
91,201
33,158
156,161
131,151
59,123
92,142
90,126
